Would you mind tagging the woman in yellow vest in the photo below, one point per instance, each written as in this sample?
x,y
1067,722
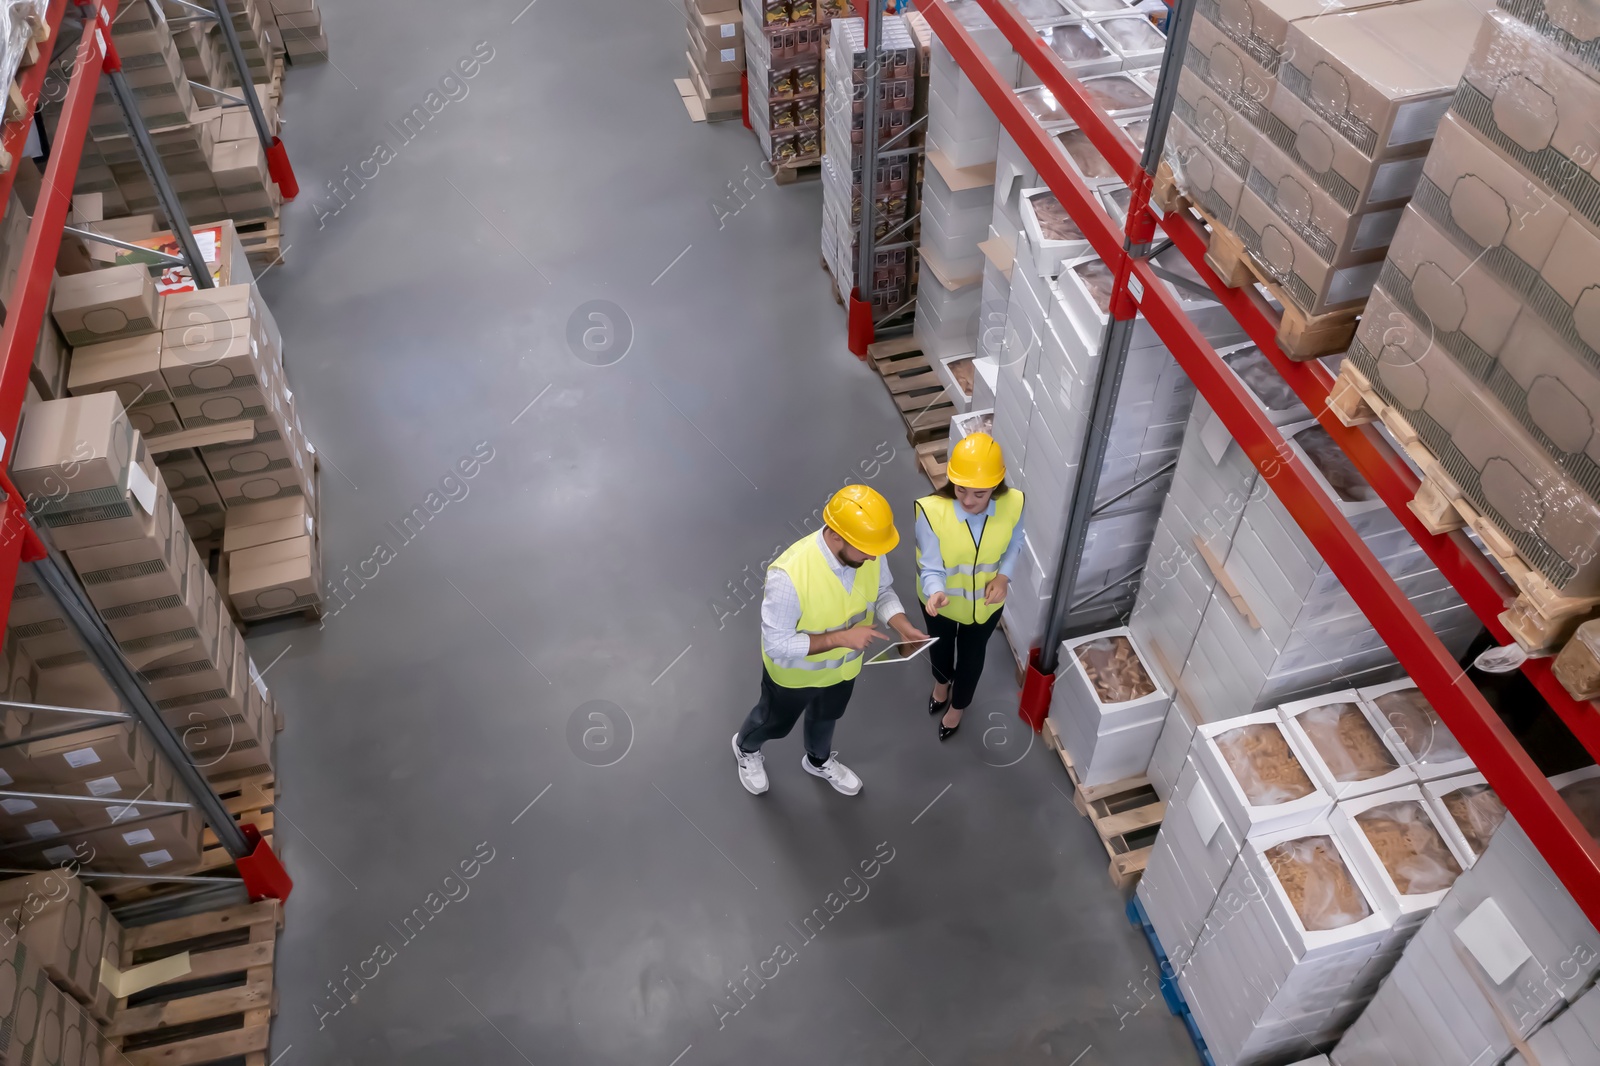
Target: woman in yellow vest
x,y
968,536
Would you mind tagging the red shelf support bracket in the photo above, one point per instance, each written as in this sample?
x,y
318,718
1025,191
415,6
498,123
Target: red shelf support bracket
x,y
262,871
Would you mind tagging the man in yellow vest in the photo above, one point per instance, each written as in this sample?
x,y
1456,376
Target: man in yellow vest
x,y
822,597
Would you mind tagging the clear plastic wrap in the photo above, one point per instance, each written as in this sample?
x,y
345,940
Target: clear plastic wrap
x,y
1350,748
1584,799
1137,131
1054,222
18,20
1076,44
1410,846
1117,92
1087,158
1477,812
1335,465
1042,105
1133,34
1262,763
1417,725
1041,10
962,371
1114,669
1318,884
1099,280
1263,379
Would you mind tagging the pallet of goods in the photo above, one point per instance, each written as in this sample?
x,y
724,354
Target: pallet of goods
x,y
715,56
300,30
783,45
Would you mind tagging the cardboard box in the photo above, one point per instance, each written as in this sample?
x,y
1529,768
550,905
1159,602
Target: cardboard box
x,y
1216,63
1383,76
53,912
1338,236
76,447
1261,27
167,844
1336,744
128,366
1310,282
718,57
253,524
1202,174
1555,393
1537,107
103,304
1245,816
274,578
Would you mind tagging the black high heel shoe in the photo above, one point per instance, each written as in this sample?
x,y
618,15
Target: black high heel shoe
x,y
936,707
948,731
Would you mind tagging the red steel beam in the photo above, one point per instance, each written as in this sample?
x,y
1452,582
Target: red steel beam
x,y
1569,849
29,299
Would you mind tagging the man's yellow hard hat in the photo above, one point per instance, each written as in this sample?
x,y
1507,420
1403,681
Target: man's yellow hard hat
x,y
863,518
977,462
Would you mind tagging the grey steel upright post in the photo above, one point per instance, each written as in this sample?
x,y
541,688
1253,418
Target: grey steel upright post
x,y
104,653
1113,359
247,85
156,171
869,152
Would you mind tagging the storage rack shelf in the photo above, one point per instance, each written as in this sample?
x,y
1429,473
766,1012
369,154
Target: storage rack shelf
x,y
1572,853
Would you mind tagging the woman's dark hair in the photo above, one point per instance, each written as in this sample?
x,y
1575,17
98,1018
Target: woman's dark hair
x,y
948,491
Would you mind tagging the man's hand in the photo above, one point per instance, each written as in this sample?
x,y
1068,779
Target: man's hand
x,y
907,631
995,591
937,603
855,638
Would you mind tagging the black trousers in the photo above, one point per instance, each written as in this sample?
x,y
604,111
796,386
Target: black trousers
x,y
958,657
780,708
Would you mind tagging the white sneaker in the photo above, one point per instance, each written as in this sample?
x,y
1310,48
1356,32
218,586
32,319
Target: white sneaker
x,y
836,773
752,769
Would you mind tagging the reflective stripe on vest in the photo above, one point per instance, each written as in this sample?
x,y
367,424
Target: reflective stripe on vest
x,y
968,566
825,607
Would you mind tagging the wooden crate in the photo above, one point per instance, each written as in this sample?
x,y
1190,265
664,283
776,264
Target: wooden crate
x,y
251,798
222,1009
914,385
1126,814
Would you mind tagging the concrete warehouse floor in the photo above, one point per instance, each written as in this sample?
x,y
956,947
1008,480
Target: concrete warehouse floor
x,y
536,681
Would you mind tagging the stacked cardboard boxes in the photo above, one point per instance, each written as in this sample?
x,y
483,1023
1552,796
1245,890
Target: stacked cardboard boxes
x,y
300,30
1107,708
1301,128
716,55
271,558
893,185
1492,274
783,46
109,511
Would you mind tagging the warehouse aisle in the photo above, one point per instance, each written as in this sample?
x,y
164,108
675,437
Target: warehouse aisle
x,y
508,798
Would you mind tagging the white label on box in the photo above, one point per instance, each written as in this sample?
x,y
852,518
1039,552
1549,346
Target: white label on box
x,y
61,853
1493,941
729,54
156,858
135,837
40,830
728,29
103,786
123,813
1203,811
82,757
143,489
18,806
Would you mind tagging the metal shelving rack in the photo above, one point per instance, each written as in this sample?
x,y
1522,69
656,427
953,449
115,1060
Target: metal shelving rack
x,y
261,872
1572,853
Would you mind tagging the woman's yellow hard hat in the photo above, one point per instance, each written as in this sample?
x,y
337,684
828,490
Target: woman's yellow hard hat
x,y
863,518
976,463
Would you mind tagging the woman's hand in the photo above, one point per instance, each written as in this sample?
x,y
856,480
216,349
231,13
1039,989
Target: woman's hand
x,y
937,602
907,631
995,591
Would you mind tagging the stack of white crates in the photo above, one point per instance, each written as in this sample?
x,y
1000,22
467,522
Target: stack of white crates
x,y
1495,965
1107,707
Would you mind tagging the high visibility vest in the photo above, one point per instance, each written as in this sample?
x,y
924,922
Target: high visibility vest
x,y
969,567
825,607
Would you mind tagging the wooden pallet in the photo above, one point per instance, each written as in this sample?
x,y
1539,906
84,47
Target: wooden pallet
x,y
933,456
1126,814
914,385
251,796
262,243
222,1009
793,173
1541,617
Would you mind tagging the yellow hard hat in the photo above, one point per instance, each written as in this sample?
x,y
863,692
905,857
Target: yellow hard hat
x,y
863,518
976,463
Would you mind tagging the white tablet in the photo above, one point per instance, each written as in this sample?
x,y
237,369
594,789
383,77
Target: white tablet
x,y
901,650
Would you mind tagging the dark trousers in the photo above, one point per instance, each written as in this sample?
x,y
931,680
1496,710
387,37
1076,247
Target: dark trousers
x,y
958,657
779,708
